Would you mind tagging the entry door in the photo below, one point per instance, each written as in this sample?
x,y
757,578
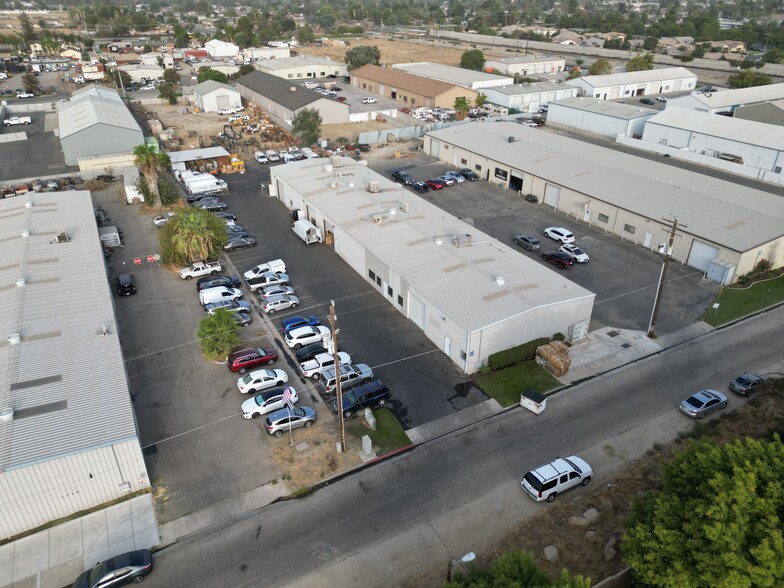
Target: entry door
x,y
447,346
647,241
552,195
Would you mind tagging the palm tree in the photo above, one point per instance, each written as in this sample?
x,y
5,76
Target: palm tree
x,y
217,335
198,234
151,161
461,107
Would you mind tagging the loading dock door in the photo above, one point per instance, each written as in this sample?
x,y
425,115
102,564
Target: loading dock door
x,y
222,102
701,255
416,311
516,181
552,195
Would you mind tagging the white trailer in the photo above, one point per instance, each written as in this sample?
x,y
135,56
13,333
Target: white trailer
x,y
208,184
307,231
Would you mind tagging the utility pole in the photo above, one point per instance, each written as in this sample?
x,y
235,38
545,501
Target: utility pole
x,y
665,260
333,319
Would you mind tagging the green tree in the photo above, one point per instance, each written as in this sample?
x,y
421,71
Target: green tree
x,y
205,73
171,75
125,77
650,43
600,67
717,520
514,569
31,83
28,31
307,125
305,35
362,55
151,162
640,63
575,72
472,59
168,91
481,100
461,106
194,234
217,335
747,79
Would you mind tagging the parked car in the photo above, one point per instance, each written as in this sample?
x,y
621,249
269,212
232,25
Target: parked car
x,y
350,376
747,383
310,351
298,321
236,232
468,174
225,215
162,219
275,291
276,265
402,177
531,123
235,243
25,95
435,184
280,302
243,319
122,569
577,254
550,479
314,368
558,259
268,401
369,100
704,402
662,99
456,176
647,101
528,242
447,180
125,285
259,380
232,305
265,280
216,293
283,420
372,394
302,336
559,234
243,360
261,157
420,187
212,205
272,155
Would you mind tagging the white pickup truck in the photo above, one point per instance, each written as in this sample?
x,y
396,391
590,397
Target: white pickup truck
x,y
17,120
200,268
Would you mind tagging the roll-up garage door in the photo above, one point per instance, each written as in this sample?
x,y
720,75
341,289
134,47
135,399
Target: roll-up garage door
x,y
222,102
435,148
552,195
701,255
416,311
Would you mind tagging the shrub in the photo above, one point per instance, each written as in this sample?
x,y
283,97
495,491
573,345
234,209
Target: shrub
x,y
167,192
559,337
524,352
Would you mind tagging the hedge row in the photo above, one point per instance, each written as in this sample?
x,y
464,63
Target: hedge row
x,y
513,355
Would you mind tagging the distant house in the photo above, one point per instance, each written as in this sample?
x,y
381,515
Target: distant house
x,y
593,42
71,53
567,37
729,46
612,36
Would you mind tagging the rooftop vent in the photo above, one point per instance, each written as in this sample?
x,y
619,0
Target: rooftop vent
x,y
336,161
438,241
102,331
373,187
61,238
333,184
20,282
351,185
14,339
29,204
292,88
25,234
6,415
378,218
500,280
392,211
462,240
328,168
511,138
405,207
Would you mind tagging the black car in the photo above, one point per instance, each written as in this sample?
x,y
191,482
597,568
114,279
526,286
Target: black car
x,y
194,198
239,243
647,101
468,174
219,280
420,187
372,394
225,215
307,352
243,319
125,285
364,147
123,569
238,234
212,205
558,259
402,177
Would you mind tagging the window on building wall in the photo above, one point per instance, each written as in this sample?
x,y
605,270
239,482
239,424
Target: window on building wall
x,y
604,218
478,168
400,300
390,293
413,101
372,275
463,161
299,75
291,75
629,229
378,281
405,98
463,355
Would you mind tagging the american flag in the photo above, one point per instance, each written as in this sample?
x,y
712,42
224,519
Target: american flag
x,y
287,398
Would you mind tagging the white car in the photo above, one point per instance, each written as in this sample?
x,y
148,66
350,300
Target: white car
x,y
578,255
302,336
272,155
550,479
287,157
25,95
259,380
662,99
308,153
230,110
275,290
147,87
261,157
530,123
280,302
559,234
217,293
268,401
314,368
456,176
162,219
369,100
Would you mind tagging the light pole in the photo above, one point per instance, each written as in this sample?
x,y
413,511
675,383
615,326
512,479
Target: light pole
x,y
467,558
333,319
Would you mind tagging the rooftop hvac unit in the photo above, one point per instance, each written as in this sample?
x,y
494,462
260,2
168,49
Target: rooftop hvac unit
x,y
61,238
336,161
328,168
374,187
378,218
333,185
405,207
511,138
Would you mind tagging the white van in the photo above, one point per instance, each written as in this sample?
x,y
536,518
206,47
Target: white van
x,y
210,295
272,155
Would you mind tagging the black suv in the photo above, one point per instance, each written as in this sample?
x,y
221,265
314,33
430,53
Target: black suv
x,y
402,177
125,285
372,394
214,281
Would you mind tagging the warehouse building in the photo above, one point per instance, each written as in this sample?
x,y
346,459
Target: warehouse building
x,y
527,65
467,78
636,83
95,122
728,100
469,293
68,435
725,228
283,99
303,67
528,97
599,117
218,49
771,113
212,96
142,72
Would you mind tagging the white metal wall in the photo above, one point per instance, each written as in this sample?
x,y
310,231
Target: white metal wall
x,y
586,121
33,495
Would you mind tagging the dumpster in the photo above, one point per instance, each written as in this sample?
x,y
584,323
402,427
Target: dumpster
x,y
534,401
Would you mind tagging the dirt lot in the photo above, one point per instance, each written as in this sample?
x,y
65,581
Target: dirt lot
x,y
393,51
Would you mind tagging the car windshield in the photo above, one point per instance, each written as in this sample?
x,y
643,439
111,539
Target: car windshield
x,y
577,251
534,482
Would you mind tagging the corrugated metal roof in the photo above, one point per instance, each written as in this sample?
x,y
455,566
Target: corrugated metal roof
x,y
194,154
208,86
402,80
450,74
724,98
460,281
606,107
94,107
289,62
729,214
533,88
526,59
66,382
638,77
279,90
735,129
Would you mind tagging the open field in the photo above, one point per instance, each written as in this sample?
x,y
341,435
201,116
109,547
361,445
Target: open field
x,y
393,51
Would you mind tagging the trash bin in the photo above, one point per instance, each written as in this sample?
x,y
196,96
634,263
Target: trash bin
x,y
534,401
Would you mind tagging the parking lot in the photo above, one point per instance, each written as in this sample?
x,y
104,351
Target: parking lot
x,y
40,154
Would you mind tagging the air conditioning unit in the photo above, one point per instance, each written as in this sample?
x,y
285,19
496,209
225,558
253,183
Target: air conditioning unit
x,y
62,238
664,250
511,138
405,207
333,185
374,187
336,161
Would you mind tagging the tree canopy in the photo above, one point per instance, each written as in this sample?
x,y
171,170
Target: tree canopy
x,y
151,162
640,63
514,569
472,59
217,335
717,520
748,78
600,67
191,235
205,73
362,55
307,125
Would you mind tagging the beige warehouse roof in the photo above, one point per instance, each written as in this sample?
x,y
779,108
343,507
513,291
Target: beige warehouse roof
x,y
729,214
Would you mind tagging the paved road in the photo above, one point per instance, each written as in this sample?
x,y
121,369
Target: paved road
x,y
461,492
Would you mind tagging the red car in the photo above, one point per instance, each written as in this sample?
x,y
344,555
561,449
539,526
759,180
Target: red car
x,y
244,359
558,259
435,184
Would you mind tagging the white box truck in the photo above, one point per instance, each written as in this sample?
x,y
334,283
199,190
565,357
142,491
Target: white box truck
x,y
207,184
307,231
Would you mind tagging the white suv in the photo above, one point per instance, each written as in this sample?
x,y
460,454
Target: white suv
x,y
559,234
546,481
301,336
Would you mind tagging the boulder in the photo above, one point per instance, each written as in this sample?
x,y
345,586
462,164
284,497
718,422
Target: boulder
x,y
609,550
551,553
593,537
592,516
578,522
